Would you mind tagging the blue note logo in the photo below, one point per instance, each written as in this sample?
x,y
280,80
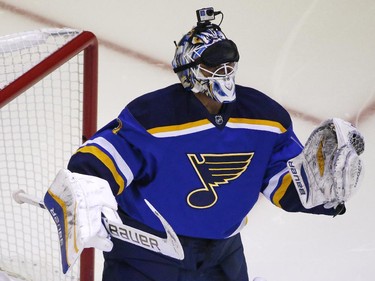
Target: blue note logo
x,y
215,170
119,126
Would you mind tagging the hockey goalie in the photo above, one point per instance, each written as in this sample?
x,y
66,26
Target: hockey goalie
x,y
165,187
326,173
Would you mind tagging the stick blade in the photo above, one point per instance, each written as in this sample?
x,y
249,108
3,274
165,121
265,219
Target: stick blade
x,y
172,237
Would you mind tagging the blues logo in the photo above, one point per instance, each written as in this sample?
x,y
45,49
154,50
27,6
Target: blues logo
x,y
213,171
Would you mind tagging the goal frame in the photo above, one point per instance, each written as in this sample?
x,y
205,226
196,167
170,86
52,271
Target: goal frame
x,y
87,43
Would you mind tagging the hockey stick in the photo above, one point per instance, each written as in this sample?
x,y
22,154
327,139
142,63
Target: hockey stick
x,y
169,246
20,196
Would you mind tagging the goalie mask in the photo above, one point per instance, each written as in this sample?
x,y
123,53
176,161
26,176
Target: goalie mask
x,y
206,61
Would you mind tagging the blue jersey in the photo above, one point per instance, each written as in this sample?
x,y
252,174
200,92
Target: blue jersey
x,y
203,172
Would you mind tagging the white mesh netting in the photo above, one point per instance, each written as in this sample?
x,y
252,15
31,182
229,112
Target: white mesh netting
x,y
39,131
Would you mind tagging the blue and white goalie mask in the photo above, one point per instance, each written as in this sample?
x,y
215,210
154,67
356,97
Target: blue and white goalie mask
x,y
206,62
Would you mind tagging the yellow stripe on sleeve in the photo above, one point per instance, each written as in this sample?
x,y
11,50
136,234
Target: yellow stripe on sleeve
x,y
282,189
107,161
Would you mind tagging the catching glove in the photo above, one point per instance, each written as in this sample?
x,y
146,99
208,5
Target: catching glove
x,y
328,171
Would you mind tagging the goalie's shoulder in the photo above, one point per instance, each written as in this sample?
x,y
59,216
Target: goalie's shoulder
x,y
158,99
257,105
161,107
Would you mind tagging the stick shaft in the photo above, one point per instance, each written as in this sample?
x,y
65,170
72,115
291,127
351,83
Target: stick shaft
x,y
170,246
21,197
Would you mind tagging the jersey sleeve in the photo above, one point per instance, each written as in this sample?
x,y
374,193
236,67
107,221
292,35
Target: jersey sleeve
x,y
278,186
112,154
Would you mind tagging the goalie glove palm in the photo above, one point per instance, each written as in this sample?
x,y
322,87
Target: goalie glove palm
x,y
76,202
328,170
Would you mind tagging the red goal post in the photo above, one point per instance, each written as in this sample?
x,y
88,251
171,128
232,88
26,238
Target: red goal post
x,y
48,106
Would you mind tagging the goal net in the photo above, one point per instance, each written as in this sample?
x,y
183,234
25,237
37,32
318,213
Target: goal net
x,y
48,97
